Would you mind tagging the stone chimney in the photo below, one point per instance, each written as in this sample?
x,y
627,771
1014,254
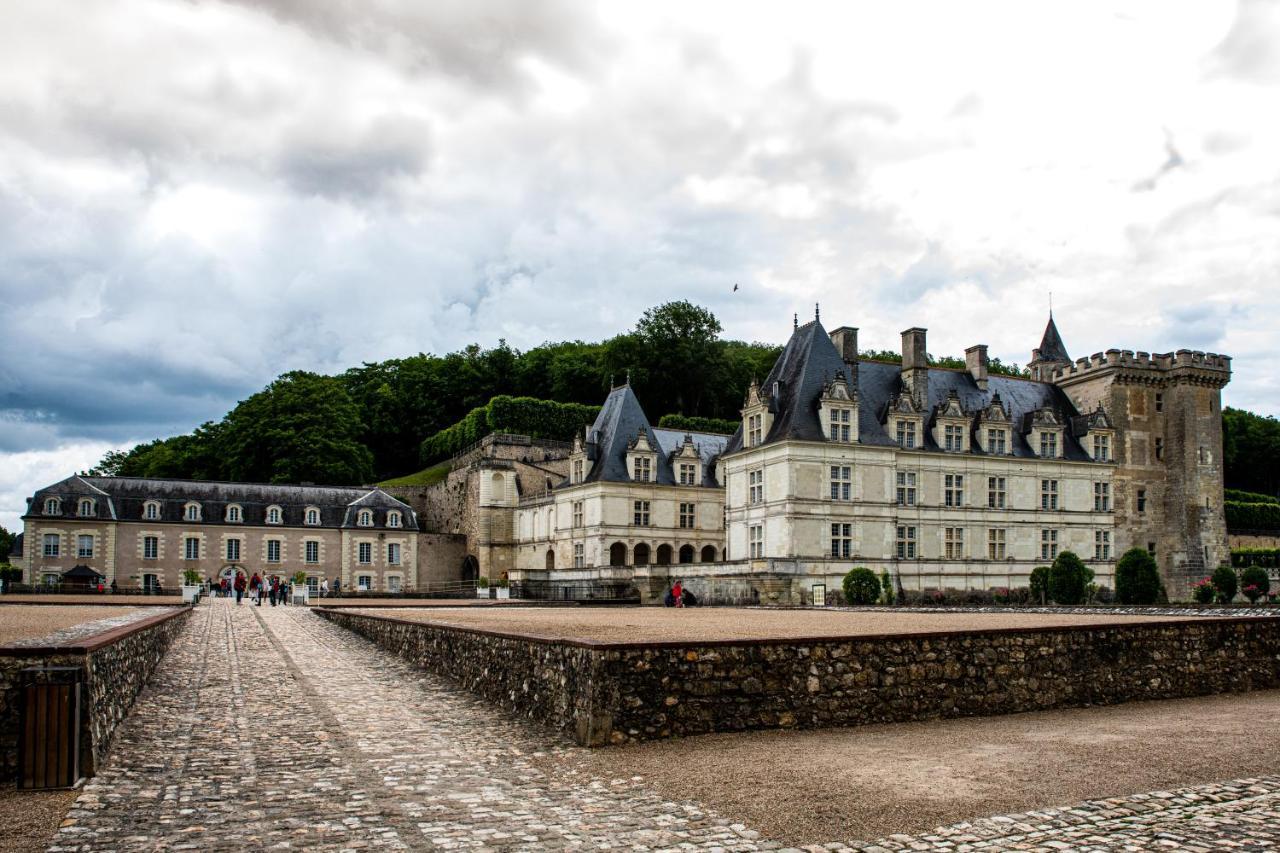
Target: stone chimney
x,y
845,339
915,365
975,359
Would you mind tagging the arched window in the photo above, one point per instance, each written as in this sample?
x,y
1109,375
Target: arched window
x,y
393,518
273,515
550,559
664,555
234,513
709,553
151,510
617,554
365,519
191,512
640,554
313,515
87,508
52,506
686,553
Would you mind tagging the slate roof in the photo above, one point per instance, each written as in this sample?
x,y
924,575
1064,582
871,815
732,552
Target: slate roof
x,y
1051,346
620,420
810,360
122,498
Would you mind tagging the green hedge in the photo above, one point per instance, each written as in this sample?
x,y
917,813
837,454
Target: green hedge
x,y
1252,516
1267,557
1241,496
695,424
520,415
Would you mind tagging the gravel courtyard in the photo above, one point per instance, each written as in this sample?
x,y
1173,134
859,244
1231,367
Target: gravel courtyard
x,y
26,622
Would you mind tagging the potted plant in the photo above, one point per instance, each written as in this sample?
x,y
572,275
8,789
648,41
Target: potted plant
x,y
482,588
300,588
191,586
504,590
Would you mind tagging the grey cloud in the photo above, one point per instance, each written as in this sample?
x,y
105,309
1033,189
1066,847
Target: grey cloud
x,y
390,147
1249,50
1173,160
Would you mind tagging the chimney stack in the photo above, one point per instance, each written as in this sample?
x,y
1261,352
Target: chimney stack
x,y
915,365
845,339
975,359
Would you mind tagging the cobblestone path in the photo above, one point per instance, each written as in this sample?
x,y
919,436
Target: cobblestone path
x,y
271,728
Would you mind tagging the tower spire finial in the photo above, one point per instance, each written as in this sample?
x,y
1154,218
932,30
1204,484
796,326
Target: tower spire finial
x,y
1050,304
795,321
817,313
628,375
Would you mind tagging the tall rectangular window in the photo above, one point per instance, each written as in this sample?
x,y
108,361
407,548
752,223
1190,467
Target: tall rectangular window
x,y
233,550
755,430
1101,448
906,488
579,556
841,540
838,427
577,513
755,481
84,546
906,434
1159,402
150,547
1101,497
688,474
312,551
953,438
1159,448
364,553
953,542
687,515
996,442
191,548
641,513
1102,544
393,553
273,550
1049,445
996,492
841,482
756,538
906,544
1048,494
1048,544
52,545
996,543
953,490
579,468
1142,500
643,469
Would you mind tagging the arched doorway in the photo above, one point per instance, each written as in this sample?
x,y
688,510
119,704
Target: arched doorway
x,y
686,553
617,554
551,559
708,553
640,554
470,568
664,555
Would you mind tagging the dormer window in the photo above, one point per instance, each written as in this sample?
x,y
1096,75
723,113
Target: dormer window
x,y
906,434
393,518
1102,448
1049,445
642,470
953,437
838,409
951,430
151,510
579,464
52,506
235,514
274,515
364,518
905,422
87,508
191,512
686,463
756,420
997,441
642,458
312,516
838,425
1047,433
755,430
688,474
993,428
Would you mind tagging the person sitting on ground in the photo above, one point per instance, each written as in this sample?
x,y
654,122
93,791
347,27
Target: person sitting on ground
x,y
690,600
677,592
670,599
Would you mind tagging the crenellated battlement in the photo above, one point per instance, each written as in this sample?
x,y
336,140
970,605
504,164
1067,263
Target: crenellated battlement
x,y
1129,360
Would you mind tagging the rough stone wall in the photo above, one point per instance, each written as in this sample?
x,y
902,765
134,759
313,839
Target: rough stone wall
x,y
440,558
1240,540
11,703
616,693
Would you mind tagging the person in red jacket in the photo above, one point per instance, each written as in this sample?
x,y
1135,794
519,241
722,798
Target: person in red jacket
x,y
677,592
240,585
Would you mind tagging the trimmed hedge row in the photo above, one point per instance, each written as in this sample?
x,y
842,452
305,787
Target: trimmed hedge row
x,y
1241,496
522,415
1252,516
696,424
1267,557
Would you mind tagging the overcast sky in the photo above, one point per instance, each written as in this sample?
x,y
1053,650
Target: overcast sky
x,y
198,196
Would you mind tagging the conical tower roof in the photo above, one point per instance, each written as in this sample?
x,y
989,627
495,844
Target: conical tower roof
x,y
1051,346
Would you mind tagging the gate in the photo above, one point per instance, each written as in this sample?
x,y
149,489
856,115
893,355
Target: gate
x,y
49,727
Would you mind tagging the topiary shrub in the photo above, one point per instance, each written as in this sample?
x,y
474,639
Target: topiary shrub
x,y
1225,583
1203,591
1068,579
1040,585
1254,583
1137,578
1104,595
861,586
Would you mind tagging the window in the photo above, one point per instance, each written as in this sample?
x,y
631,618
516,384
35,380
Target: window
x,y
996,543
953,490
52,545
1159,402
1151,548
150,547
906,434
273,515
313,516
191,548
755,480
687,516
86,505
577,513
364,582
841,482
393,553
53,506
233,513
1048,494
1102,544
1142,500
838,428
233,550
1049,445
151,511
393,518
1159,448
84,546
273,550
192,512
365,519
579,556
953,542
953,438
641,513
906,542
757,541
643,467
312,549
755,430
393,583
1101,497
996,442
1101,448
906,488
1048,544
364,553
996,492
841,540
688,474
579,470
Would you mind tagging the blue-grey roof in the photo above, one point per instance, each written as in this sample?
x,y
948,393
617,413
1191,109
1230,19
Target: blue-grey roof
x,y
1051,346
620,420
809,362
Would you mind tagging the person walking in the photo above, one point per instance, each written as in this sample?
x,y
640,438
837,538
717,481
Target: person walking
x,y
285,589
324,587
239,585
273,589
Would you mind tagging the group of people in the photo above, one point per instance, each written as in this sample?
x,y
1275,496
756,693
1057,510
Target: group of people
x,y
678,596
273,589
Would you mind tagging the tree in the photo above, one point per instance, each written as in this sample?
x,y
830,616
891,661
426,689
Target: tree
x,y
1068,579
1254,583
861,586
1251,451
683,344
1039,585
1137,578
1225,583
6,544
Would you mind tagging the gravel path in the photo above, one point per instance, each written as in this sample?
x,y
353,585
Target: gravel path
x,y
19,623
659,624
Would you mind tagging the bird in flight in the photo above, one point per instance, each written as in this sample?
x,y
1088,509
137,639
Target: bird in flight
x,y
735,287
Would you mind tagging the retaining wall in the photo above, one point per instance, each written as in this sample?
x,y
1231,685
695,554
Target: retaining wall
x,y
603,693
114,664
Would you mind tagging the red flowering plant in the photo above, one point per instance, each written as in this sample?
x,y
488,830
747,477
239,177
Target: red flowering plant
x,y
1204,591
1252,592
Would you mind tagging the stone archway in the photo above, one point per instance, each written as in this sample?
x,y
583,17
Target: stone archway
x,y
640,554
617,554
551,559
664,555
708,554
470,568
686,553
